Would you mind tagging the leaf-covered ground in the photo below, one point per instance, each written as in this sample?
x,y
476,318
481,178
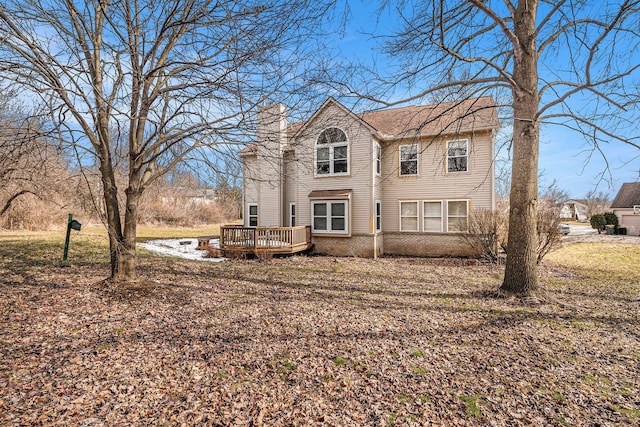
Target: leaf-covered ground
x,y
313,341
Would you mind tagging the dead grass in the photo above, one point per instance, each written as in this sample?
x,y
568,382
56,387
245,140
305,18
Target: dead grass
x,y
315,341
618,261
146,232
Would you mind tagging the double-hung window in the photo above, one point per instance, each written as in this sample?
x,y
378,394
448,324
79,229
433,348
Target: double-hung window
x,y
432,216
409,216
332,153
457,215
457,155
253,214
292,214
330,216
378,216
378,158
409,159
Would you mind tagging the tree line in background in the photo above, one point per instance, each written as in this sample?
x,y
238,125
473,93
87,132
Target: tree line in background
x,y
39,185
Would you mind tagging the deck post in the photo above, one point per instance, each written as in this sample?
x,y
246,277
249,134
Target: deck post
x,y
255,239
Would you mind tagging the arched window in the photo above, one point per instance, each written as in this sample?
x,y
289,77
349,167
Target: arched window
x,y
332,153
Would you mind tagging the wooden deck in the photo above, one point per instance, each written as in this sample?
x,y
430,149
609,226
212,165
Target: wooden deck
x,y
272,240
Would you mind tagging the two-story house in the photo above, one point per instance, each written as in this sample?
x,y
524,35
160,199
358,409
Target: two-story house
x,y
398,181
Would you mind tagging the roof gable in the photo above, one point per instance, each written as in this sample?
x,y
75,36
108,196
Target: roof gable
x,y
628,196
330,101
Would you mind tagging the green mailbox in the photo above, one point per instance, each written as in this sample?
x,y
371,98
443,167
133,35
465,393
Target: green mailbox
x,y
72,224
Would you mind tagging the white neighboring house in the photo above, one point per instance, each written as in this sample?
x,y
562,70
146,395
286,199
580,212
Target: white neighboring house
x,y
398,181
574,209
626,206
191,196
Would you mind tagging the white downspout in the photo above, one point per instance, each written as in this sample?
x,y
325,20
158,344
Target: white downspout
x,y
374,165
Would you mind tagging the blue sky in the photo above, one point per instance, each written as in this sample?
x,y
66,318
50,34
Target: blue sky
x,y
565,157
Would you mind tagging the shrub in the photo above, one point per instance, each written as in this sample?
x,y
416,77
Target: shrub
x,y
487,232
598,222
610,218
234,253
548,230
212,252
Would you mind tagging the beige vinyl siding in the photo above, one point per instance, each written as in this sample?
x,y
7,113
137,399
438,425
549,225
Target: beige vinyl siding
x,y
270,191
262,186
290,183
377,180
432,182
360,168
272,129
251,188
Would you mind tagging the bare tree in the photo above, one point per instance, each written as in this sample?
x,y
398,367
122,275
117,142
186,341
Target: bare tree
x,y
553,195
32,170
569,63
153,82
597,201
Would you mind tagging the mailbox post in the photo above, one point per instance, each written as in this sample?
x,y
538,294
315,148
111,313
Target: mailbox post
x,y
72,224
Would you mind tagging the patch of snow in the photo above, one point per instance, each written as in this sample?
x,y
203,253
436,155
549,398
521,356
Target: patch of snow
x,y
183,248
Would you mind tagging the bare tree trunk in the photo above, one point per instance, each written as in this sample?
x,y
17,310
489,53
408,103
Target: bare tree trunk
x,y
114,226
520,274
127,252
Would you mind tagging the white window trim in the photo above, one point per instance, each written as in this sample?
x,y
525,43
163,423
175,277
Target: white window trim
x,y
378,217
446,152
424,215
331,147
249,216
377,158
417,159
328,202
636,209
468,202
292,214
417,203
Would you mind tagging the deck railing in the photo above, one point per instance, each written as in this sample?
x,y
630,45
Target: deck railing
x,y
276,239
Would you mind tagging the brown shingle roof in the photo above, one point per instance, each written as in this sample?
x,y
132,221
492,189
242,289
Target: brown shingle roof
x,y
447,117
330,193
628,196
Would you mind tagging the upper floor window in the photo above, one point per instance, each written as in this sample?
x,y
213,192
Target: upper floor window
x,y
409,159
378,159
457,153
332,153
